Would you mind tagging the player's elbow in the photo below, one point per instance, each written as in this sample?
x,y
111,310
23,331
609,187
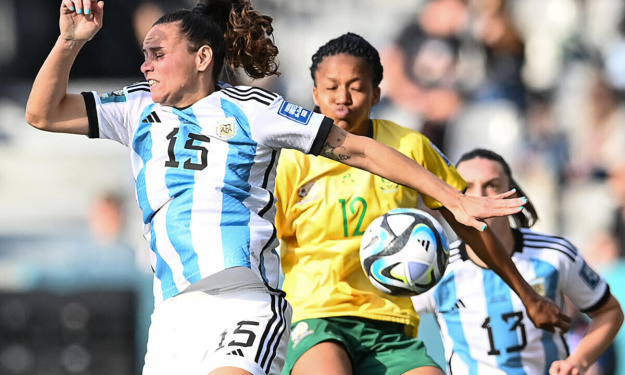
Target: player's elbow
x,y
612,312
38,121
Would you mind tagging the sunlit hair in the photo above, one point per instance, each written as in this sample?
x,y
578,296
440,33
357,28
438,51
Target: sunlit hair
x,y
353,45
528,216
238,35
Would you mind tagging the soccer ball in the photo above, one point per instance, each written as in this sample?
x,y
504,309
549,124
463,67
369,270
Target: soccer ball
x,y
404,252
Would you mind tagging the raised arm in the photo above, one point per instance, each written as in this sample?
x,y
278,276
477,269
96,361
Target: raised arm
x,y
461,211
605,324
49,105
377,158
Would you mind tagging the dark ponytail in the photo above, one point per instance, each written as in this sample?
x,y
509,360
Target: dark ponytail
x,y
528,216
239,36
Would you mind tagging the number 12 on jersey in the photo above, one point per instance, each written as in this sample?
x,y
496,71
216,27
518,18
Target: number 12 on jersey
x,y
358,231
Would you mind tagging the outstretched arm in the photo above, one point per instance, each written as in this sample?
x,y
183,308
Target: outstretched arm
x,y
379,159
49,105
601,332
461,211
543,312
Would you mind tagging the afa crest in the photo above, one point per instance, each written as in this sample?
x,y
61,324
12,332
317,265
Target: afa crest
x,y
538,284
226,128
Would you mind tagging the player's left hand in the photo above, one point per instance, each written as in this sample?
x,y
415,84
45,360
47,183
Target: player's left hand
x,y
80,20
472,209
547,315
565,368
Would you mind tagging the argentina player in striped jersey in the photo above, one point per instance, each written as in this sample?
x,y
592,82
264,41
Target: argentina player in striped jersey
x,y
484,326
204,155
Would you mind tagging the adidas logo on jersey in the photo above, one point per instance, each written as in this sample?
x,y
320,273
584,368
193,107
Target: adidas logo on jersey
x,y
238,352
458,305
152,118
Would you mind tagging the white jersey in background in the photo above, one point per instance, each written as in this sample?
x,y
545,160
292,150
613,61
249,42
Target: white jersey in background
x,y
484,325
205,176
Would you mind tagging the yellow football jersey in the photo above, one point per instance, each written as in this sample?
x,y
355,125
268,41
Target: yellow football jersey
x,y
324,208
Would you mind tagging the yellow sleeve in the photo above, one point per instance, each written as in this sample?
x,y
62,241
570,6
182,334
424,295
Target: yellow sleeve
x,y
436,162
419,148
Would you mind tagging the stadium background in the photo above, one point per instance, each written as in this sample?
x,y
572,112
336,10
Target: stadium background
x,y
541,82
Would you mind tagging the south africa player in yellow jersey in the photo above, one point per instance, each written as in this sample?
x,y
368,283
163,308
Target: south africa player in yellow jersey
x,y
341,323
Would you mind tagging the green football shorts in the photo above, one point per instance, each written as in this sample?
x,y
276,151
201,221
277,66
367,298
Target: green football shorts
x,y
374,347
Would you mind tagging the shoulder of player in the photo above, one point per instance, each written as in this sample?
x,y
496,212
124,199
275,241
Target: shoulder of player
x,y
136,92
542,245
138,87
252,94
399,137
395,128
457,254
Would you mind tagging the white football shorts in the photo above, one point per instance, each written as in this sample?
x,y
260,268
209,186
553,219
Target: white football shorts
x,y
196,332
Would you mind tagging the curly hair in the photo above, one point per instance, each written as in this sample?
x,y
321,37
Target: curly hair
x,y
353,45
239,36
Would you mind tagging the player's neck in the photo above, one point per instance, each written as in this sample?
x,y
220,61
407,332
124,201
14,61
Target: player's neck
x,y
506,237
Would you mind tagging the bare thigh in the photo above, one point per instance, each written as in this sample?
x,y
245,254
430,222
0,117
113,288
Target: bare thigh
x,y
427,370
229,371
326,358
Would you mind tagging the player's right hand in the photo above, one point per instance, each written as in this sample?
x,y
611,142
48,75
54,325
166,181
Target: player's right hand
x,y
80,19
545,314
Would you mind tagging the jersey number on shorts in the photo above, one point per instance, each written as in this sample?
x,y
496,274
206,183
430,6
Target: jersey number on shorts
x,y
241,340
517,324
188,164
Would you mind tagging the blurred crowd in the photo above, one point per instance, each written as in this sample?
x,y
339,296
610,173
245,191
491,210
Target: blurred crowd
x,y
541,82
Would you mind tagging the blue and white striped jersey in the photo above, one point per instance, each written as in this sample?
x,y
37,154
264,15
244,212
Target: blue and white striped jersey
x,y
205,175
484,325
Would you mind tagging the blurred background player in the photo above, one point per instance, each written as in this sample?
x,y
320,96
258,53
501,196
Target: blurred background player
x,y
484,327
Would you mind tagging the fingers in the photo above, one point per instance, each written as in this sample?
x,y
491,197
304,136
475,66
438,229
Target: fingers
x,y
563,367
564,322
511,202
547,327
504,207
67,6
507,194
483,208
555,368
80,6
476,224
